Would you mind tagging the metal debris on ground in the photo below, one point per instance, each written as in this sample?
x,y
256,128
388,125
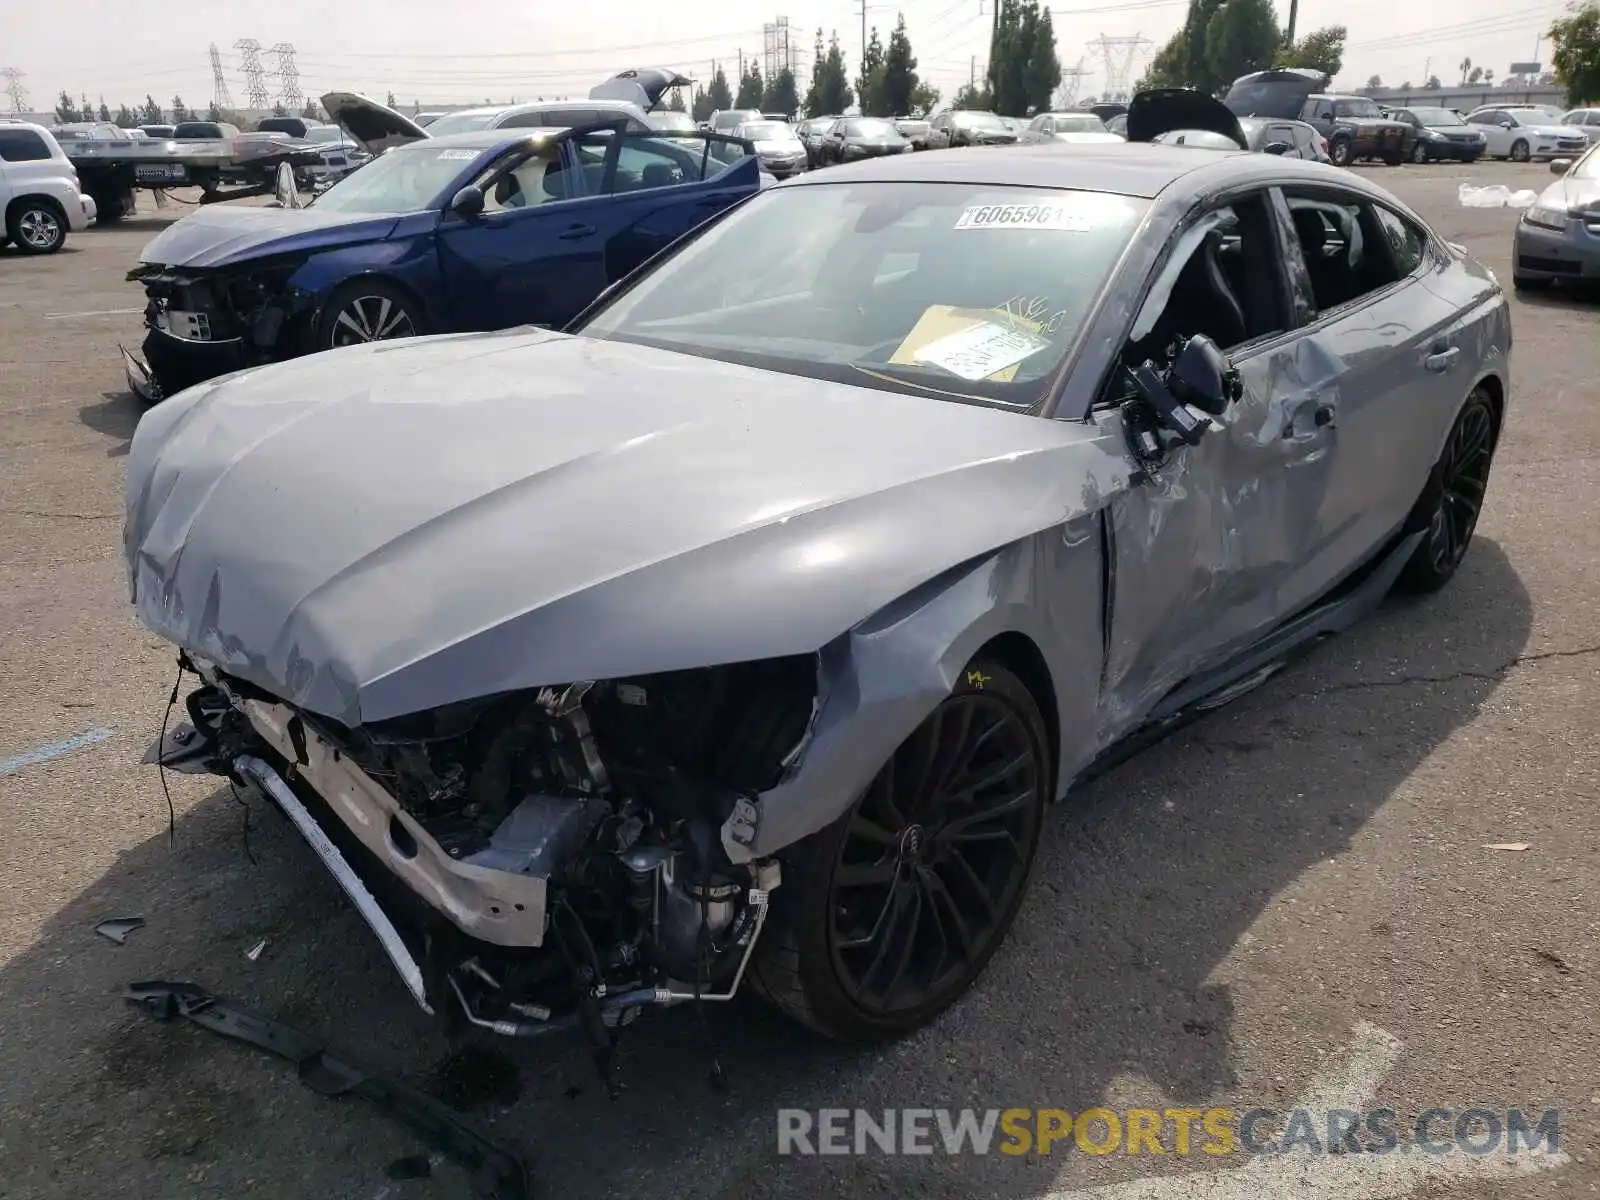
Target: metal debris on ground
x,y
497,1172
117,929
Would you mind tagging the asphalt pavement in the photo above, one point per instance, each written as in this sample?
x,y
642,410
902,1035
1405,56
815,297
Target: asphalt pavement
x,y
1215,923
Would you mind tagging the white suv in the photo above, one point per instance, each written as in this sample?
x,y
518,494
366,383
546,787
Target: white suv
x,y
39,191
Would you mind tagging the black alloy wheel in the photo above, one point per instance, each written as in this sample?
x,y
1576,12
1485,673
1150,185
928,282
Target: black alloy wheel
x,y
1453,499
893,911
1419,151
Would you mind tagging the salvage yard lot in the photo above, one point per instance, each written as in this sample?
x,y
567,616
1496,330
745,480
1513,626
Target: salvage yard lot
x,y
1206,926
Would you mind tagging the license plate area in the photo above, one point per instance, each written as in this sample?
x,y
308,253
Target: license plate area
x,y
161,172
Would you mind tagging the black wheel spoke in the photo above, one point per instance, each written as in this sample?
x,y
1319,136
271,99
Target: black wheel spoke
x,y
935,854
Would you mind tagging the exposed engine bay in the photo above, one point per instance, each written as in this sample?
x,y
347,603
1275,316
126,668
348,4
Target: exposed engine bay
x,y
551,858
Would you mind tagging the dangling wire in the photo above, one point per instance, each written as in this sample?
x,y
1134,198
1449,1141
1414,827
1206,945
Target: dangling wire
x,y
707,947
242,803
161,741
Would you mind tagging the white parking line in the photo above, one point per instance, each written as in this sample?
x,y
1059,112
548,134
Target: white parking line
x,y
99,312
54,750
1349,1085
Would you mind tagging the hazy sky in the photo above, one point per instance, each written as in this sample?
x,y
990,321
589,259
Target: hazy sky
x,y
437,52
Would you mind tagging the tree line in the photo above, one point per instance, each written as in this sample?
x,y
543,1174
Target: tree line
x,y
1023,74
1221,40
151,112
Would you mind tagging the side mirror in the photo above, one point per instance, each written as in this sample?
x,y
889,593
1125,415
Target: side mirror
x,y
468,202
1508,124
284,188
1201,375
1560,166
1278,148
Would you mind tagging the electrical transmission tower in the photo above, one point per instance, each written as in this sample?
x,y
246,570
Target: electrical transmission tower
x,y
777,49
15,90
1118,55
288,76
255,75
1071,84
220,96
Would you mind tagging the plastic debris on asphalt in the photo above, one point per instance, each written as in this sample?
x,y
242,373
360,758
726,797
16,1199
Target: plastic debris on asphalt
x,y
1495,195
255,951
1506,846
117,929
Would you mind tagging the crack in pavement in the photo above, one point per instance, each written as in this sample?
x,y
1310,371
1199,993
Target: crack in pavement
x,y
65,516
1491,676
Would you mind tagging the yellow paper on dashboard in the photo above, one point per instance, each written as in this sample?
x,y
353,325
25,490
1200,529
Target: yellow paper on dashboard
x,y
965,330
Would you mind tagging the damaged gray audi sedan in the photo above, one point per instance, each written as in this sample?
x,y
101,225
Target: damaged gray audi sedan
x,y
743,633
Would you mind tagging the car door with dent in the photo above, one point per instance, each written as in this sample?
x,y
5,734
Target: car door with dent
x,y
1377,359
534,254
1227,538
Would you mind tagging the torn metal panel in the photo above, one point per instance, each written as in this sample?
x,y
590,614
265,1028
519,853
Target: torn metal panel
x,y
751,514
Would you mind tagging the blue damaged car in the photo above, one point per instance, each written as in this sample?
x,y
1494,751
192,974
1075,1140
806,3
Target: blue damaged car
x,y
473,231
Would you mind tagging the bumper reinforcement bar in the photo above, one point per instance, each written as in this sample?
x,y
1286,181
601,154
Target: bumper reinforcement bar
x,y
269,781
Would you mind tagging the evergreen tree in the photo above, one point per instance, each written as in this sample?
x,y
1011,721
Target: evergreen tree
x,y
867,83
66,110
718,93
179,112
898,87
750,88
782,94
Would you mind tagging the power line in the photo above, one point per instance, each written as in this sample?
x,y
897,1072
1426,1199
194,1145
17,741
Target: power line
x,y
14,88
255,75
220,96
1502,23
288,76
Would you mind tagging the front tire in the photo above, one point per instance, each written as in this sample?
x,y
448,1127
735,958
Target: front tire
x,y
1519,151
367,310
1341,152
1419,152
888,915
1453,498
37,226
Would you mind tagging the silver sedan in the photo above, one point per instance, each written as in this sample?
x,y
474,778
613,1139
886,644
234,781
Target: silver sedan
x,y
1558,237
745,631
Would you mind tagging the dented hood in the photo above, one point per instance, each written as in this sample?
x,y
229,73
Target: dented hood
x,y
1162,110
643,86
385,529
221,235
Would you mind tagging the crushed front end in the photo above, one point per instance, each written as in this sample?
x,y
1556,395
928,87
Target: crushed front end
x,y
535,860
200,324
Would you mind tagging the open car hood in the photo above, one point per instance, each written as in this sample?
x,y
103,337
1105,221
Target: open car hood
x,y
643,86
375,126
1163,110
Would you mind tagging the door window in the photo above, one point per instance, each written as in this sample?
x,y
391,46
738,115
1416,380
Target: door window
x,y
1223,279
531,181
644,163
1305,141
1408,245
1344,245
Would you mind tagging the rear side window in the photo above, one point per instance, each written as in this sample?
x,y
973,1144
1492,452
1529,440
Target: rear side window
x,y
1407,243
22,145
1346,247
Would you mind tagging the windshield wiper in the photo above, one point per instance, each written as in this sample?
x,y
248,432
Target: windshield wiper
x,y
891,373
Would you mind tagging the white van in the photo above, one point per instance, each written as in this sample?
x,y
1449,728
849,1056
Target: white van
x,y
39,191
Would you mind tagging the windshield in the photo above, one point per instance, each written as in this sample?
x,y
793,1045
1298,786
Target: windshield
x,y
766,131
1087,123
1437,116
978,120
462,122
1587,167
406,179
1538,112
732,119
670,119
967,292
1360,108
870,129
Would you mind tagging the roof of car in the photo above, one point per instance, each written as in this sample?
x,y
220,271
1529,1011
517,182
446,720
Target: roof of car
x,y
1124,168
484,139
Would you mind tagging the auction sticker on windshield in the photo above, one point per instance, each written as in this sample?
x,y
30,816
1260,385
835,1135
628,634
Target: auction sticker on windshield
x,y
457,155
982,351
1022,216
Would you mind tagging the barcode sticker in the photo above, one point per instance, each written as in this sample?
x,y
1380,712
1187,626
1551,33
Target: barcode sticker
x,y
1022,216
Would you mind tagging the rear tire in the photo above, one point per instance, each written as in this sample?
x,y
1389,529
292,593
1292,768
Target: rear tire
x,y
1341,152
1453,498
887,916
1419,152
37,225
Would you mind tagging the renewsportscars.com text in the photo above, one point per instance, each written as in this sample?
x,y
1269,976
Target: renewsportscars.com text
x,y
1210,1131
